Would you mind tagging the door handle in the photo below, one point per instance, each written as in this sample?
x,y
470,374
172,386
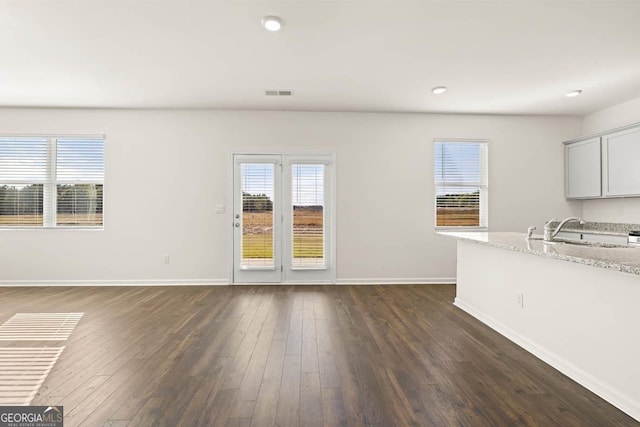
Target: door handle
x,y
237,224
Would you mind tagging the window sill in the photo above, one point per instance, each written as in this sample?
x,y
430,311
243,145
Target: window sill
x,y
51,228
454,228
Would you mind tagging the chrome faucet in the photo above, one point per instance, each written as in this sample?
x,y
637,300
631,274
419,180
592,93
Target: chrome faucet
x,y
550,235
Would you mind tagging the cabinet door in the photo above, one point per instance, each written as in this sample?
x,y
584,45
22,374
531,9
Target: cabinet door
x,y
582,169
622,154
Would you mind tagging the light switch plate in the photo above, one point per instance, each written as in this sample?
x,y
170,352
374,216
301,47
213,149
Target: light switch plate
x,y
219,209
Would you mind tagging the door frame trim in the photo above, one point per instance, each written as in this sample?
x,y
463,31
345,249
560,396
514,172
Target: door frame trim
x,y
230,207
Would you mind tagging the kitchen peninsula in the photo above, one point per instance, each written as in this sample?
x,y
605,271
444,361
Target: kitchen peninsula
x,y
577,307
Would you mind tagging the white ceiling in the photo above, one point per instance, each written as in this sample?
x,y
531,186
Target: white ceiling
x,y
514,57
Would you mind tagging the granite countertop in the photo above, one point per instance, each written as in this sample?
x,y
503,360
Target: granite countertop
x,y
625,259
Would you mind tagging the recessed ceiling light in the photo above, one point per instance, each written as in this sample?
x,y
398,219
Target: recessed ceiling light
x,y
573,93
438,90
272,23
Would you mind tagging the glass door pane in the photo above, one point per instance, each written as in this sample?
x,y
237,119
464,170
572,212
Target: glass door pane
x,y
257,186
307,205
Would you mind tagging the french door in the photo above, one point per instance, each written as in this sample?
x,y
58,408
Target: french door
x,y
283,219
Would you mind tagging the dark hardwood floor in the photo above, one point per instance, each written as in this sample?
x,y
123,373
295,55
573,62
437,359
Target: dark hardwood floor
x,y
289,356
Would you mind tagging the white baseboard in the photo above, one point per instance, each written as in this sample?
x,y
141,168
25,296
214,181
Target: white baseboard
x,y
157,282
617,399
423,281
211,282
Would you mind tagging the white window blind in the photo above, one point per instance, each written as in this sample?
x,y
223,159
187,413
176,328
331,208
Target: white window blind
x,y
258,187
23,173
80,160
79,182
51,182
307,203
461,180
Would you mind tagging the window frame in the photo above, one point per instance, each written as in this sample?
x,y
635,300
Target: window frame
x,y
483,186
50,185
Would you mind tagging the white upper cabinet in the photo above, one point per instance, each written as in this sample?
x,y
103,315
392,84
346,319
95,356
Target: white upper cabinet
x,y
606,165
583,169
621,158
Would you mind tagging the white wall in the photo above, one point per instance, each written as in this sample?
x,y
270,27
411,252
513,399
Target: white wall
x,y
385,210
625,210
619,115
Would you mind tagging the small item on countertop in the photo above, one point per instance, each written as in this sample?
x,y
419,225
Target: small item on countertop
x,y
634,233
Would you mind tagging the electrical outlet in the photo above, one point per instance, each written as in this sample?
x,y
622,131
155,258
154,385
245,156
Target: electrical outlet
x,y
520,300
166,259
620,210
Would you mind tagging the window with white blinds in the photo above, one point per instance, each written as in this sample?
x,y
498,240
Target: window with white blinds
x,y
51,182
461,181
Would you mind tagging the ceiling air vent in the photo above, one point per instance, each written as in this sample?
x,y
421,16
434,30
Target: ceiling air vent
x,y
275,92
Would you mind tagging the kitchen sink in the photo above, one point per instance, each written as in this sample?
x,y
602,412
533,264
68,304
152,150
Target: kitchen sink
x,y
589,244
